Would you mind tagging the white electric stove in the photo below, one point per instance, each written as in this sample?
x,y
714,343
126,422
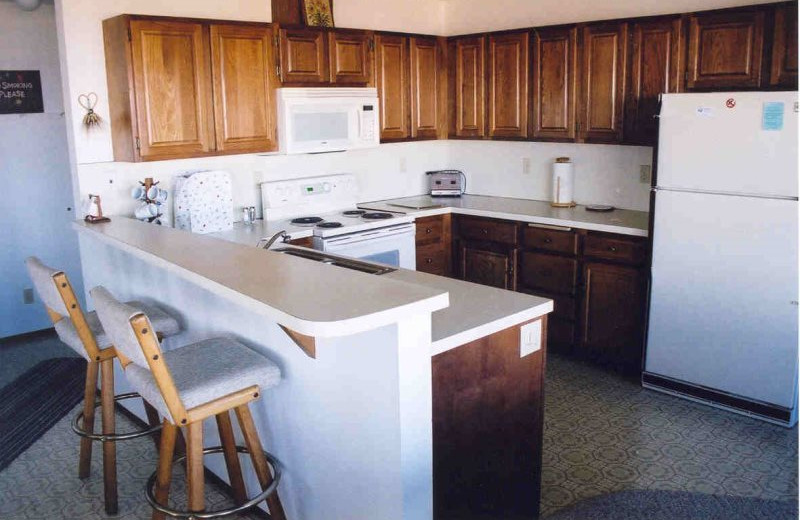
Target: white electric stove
x,y
328,205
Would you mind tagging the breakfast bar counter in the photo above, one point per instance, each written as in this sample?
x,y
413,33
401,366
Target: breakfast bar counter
x,y
423,396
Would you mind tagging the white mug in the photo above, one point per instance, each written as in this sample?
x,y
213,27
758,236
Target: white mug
x,y
152,193
146,211
161,196
138,193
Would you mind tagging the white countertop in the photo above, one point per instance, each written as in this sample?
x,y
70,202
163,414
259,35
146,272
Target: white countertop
x,y
475,311
306,296
622,221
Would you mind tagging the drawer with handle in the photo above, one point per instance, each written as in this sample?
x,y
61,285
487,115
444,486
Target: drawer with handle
x,y
432,259
429,230
550,238
550,273
629,250
498,231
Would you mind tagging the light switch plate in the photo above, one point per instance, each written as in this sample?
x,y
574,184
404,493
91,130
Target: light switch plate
x,y
530,338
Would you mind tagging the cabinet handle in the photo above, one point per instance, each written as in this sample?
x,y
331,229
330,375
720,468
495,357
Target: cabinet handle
x,y
548,240
613,249
485,231
429,260
428,230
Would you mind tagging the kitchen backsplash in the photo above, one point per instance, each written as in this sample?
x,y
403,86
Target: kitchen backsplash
x,y
604,173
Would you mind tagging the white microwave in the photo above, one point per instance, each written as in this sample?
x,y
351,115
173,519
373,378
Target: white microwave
x,y
314,120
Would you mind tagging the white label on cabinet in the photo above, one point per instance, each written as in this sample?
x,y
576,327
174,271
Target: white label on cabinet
x,y
530,338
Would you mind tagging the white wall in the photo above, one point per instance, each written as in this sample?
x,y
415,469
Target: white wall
x,y
604,174
34,171
470,16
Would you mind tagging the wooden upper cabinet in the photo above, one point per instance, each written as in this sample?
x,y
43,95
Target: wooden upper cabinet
x,y
391,78
784,47
655,68
303,56
470,102
603,64
349,54
508,85
426,87
554,83
172,86
725,50
244,107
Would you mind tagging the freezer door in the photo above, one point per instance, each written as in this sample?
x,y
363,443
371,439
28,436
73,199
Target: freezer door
x,y
723,307
705,145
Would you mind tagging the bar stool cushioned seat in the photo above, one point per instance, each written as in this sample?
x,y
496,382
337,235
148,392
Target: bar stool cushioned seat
x,y
165,324
197,381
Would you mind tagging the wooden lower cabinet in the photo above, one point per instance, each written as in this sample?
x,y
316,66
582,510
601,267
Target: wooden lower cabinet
x,y
434,245
488,264
487,428
612,314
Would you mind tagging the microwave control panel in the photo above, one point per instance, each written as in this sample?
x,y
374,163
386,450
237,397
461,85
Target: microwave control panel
x,y
367,122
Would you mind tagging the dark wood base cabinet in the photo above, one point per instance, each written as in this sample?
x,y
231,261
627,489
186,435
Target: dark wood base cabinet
x,y
597,282
488,410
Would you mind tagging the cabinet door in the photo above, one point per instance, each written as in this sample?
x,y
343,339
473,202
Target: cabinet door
x,y
350,57
604,51
612,317
554,83
391,74
508,85
426,88
725,50
242,70
784,47
487,266
172,85
655,69
303,57
470,102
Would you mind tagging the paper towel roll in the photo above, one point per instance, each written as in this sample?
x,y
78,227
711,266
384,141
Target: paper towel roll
x,y
563,183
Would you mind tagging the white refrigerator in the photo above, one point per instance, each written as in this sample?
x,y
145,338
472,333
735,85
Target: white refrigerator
x,y
723,317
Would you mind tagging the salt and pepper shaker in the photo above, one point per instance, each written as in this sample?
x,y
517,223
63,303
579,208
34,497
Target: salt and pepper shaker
x,y
248,214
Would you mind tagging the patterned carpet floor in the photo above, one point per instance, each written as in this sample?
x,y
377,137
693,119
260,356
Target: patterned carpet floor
x,y
605,434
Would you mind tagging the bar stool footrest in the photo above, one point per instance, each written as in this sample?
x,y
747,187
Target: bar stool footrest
x,y
78,426
276,477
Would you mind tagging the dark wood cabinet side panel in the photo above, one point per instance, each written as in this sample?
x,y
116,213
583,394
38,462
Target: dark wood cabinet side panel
x,y
487,428
119,78
784,47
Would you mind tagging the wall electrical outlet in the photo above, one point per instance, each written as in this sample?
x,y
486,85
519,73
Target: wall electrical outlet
x,y
530,338
526,165
645,173
27,296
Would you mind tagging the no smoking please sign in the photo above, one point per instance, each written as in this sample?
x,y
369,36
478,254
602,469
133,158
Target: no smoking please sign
x,y
20,92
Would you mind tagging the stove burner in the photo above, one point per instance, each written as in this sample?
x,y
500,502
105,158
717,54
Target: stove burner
x,y
376,216
329,225
353,213
306,221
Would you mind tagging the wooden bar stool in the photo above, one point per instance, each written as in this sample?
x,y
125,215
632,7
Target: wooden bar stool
x,y
85,335
188,385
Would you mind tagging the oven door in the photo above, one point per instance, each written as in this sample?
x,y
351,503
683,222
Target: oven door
x,y
393,246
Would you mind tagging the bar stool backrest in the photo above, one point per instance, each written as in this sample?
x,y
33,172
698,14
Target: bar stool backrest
x,y
60,301
136,342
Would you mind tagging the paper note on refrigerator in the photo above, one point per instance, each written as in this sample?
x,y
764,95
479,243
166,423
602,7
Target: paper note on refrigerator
x,y
772,116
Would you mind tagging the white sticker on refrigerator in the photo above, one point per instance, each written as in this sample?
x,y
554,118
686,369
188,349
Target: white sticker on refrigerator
x,y
704,111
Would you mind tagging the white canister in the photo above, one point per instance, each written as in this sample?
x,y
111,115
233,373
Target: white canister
x,y
563,183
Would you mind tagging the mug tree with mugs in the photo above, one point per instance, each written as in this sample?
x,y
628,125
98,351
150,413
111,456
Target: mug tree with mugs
x,y
151,197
